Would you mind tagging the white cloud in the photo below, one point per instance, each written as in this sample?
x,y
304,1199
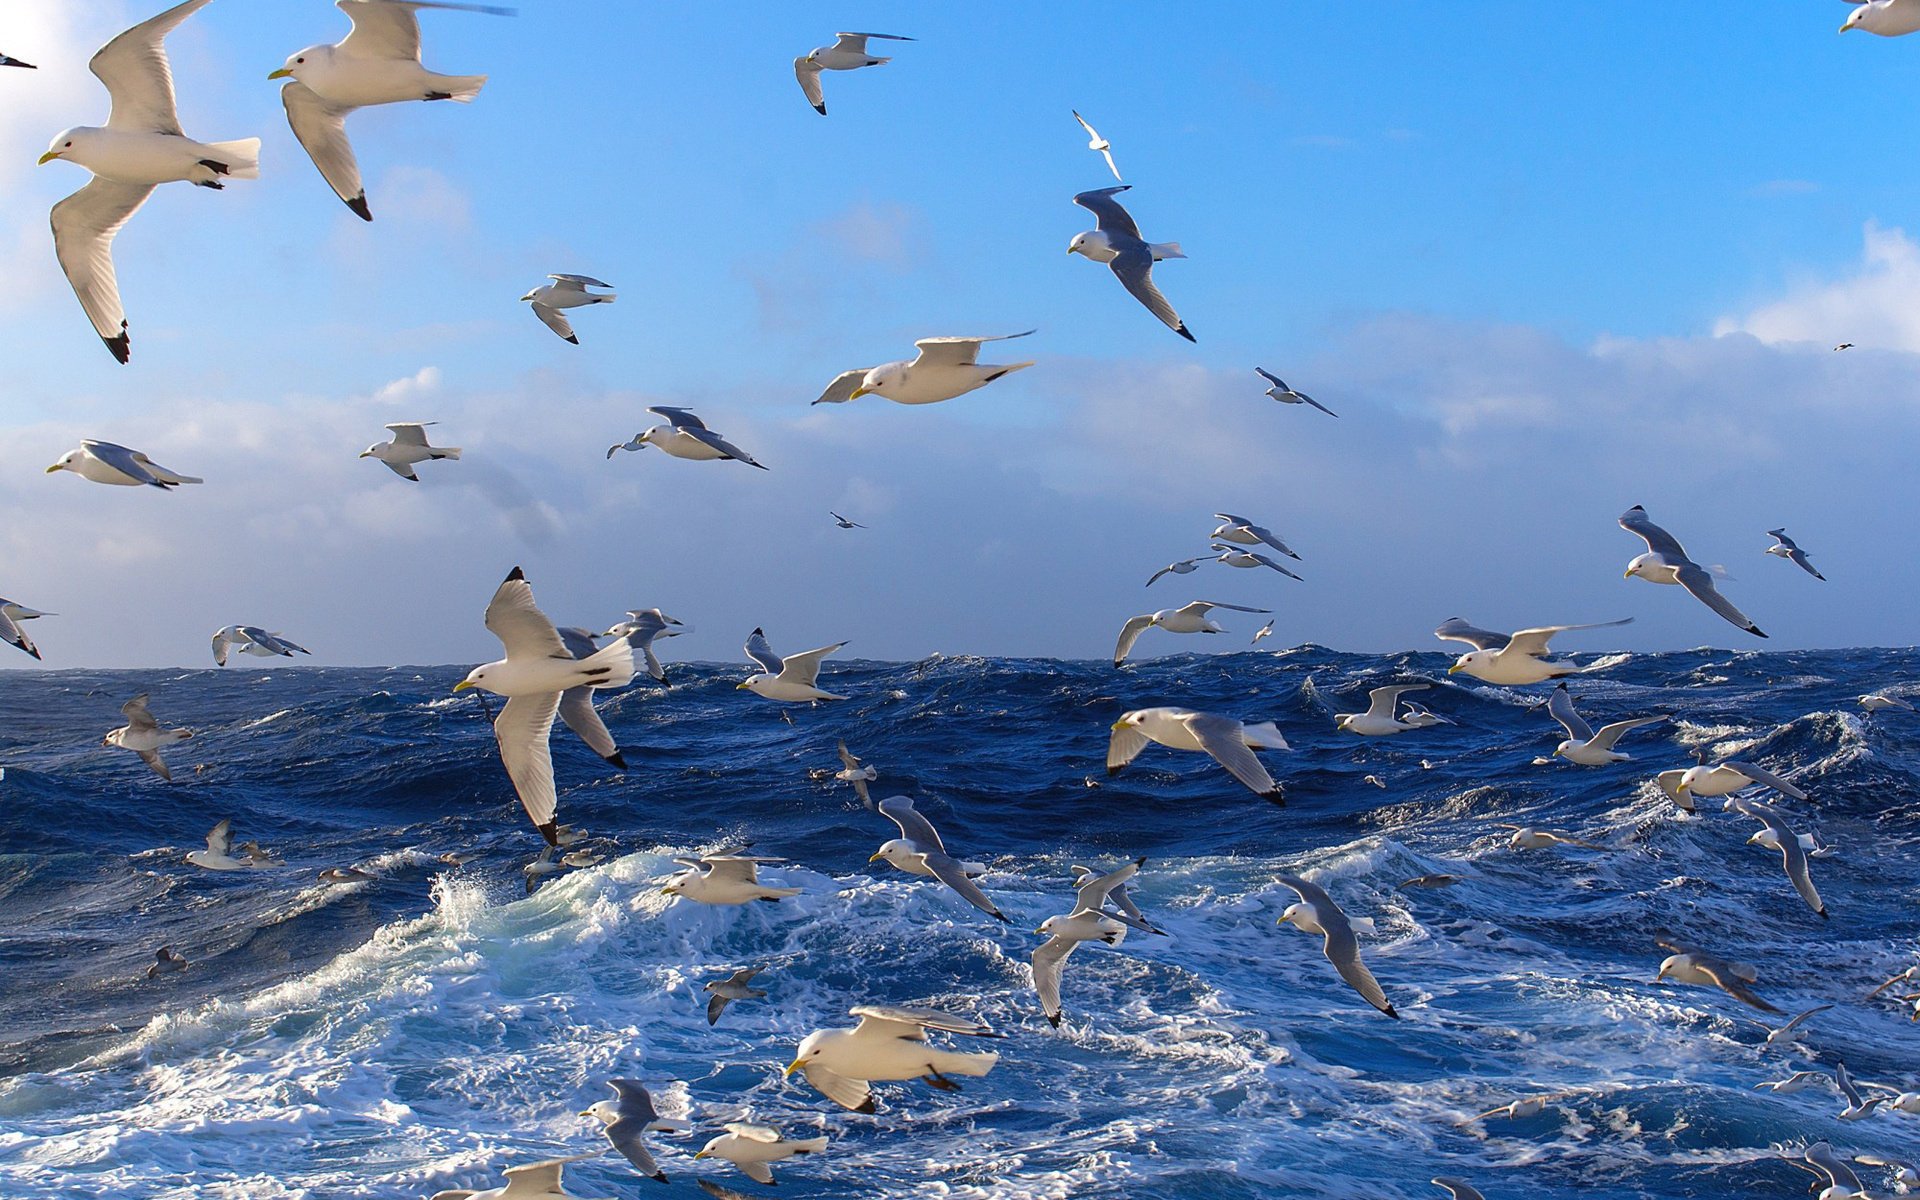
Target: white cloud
x,y
1877,305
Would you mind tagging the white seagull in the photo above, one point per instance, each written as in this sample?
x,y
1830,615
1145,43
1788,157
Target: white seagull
x,y
1242,532
566,291
1888,18
1512,659
408,446
1777,836
754,1148
534,1181
12,619
1097,143
641,629
1229,742
140,148
1583,745
1379,720
219,855
1785,547
1116,241
945,367
685,436
1690,964
724,879
1188,618
1089,921
848,53
1317,913
857,773
105,462
733,987
251,639
628,1117
1235,557
791,679
919,851
1286,395
143,735
889,1043
377,63
1666,561
1185,566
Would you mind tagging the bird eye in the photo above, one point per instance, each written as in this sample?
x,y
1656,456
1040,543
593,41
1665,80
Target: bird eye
x,y
68,146
298,61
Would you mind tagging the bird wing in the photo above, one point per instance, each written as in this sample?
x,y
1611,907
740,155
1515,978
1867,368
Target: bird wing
x,y
804,667
1560,708
847,1093
843,386
1125,746
904,1021
1133,266
1129,634
627,1136
1728,980
725,447
736,868
1049,960
579,281
1309,891
948,870
1107,212
134,68
1459,1188
1609,734
1310,400
152,759
1221,737
761,653
1800,559
847,760
956,351
409,433
1533,642
1107,154
555,320
715,1007
860,46
808,73
523,727
322,130
1658,540
403,470
1456,629
1264,561
577,710
541,1178
14,635
128,462
1765,778
1696,580
382,29
517,621
1266,535
220,838
1343,951
679,418
1199,607
1093,891
1821,1155
913,827
84,225
1381,701
139,716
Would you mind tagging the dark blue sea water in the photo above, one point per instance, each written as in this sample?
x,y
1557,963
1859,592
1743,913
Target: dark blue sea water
x,y
421,1031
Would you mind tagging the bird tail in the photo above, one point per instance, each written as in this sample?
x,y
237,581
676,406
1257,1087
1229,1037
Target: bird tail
x,y
461,87
241,158
975,1065
616,660
1166,250
446,452
809,1145
1266,734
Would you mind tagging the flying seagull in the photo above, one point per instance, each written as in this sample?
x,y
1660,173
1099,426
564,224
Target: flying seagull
x,y
791,679
1286,395
848,53
1116,241
945,367
566,291
1317,913
1512,659
105,462
919,851
1188,618
1666,561
143,735
1228,742
686,436
1784,547
842,522
408,446
627,1118
1096,142
1243,532
251,639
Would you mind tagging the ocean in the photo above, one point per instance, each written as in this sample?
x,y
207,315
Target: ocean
x,y
436,1024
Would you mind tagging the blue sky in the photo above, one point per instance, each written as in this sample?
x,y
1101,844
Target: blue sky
x,y
1545,264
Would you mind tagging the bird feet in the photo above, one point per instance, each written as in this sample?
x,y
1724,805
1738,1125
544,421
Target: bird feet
x,y
935,1079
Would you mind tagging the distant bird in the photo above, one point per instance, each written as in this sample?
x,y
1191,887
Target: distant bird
x,y
534,676
1690,964
1582,744
1430,881
1777,836
889,1043
1799,1081
346,875
1666,561
1234,557
628,1117
792,679
1526,837
166,962
251,639
408,446
755,1148
1784,547
1188,618
1286,395
1844,346
919,851
1420,717
541,869
566,291
724,879
1228,742
1888,18
1512,659
1118,901
534,1181
685,436
143,735
1116,241
141,148
733,987
576,703
1317,913
377,63
1089,921
641,629
945,367
848,53
1787,1034
105,462
1185,566
1857,1108
1242,532
1521,1109
1098,143
842,522
1264,631
6,61
1873,702
219,855
1379,720
857,773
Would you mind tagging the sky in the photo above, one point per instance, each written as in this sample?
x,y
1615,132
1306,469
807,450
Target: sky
x,y
1545,264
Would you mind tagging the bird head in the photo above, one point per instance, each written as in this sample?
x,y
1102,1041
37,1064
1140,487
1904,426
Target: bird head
x,y
294,67
881,381
808,1051
1293,914
1128,721
1854,17
1079,244
1666,968
475,678
890,851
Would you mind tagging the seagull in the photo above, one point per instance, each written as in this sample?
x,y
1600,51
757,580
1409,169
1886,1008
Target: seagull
x,y
1089,921
753,1148
219,856
853,771
1243,532
566,291
733,987
1723,779
1691,964
1264,631
1875,702
1247,558
1096,142
143,735
1521,1109
377,63
11,618
1845,345
1286,395
791,679
1430,881
1185,566
1793,855
1842,1183
1378,720
140,148
1231,743
1888,18
6,61
534,676
848,53
1189,618
1526,837
919,851
842,522
1906,1178
641,628
105,462
408,446
1787,1034
576,703
1459,1189
724,879
1317,913
1116,241
1666,561
1785,547
1512,659
1856,1109
345,875
166,962
1797,1082
1582,744
685,436
945,367
1420,717
628,1117
889,1043
251,639
1121,904
1910,975
534,1181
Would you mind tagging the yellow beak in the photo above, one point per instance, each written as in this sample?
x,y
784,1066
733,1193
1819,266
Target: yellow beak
x,y
793,1066
48,157
876,856
703,1154
282,73
1626,574
1454,669
55,469
666,891
741,687
859,392
463,685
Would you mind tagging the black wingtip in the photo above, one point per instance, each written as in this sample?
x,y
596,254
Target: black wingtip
x,y
516,574
120,347
1004,919
617,759
1183,331
551,830
574,338
1389,1011
1053,1019
1276,795
359,206
658,1176
868,1107
758,632
821,109
1756,631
